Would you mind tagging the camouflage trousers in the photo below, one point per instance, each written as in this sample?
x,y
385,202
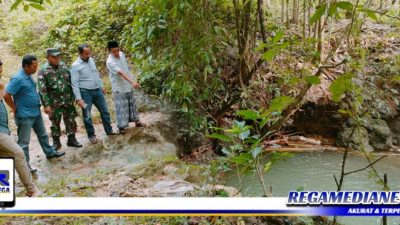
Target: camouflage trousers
x,y
69,114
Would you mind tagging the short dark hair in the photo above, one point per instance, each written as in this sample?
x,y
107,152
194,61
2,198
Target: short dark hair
x,y
112,44
28,60
1,63
81,47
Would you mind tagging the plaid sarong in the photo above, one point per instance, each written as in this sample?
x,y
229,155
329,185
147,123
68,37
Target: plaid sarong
x,y
125,109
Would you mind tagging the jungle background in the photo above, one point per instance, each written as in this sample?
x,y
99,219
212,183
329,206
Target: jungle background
x,y
235,93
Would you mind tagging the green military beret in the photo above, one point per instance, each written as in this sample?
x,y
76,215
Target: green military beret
x,y
53,51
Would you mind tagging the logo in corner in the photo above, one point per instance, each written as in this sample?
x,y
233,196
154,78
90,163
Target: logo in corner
x,y
4,181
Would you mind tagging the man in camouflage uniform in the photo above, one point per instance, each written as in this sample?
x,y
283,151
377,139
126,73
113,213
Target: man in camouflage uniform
x,y
54,81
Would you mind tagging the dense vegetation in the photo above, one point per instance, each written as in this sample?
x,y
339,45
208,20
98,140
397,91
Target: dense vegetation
x,y
207,56
238,70
212,57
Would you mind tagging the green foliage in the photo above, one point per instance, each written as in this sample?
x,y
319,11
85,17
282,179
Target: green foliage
x,y
345,5
177,46
369,13
278,104
340,86
313,80
319,12
367,94
245,138
333,11
274,46
92,22
27,32
221,193
27,4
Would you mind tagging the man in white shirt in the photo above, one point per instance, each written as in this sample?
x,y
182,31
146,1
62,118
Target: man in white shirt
x,y
122,83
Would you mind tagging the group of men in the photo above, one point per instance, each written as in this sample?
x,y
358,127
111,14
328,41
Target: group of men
x,y
59,88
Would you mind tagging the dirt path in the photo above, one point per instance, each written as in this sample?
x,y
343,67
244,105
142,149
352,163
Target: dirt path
x,y
11,62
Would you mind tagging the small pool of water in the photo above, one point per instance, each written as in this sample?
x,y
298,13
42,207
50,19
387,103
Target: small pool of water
x,y
314,171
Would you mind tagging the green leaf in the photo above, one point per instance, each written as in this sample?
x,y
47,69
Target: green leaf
x,y
241,124
345,112
26,8
371,14
270,54
395,79
37,6
318,14
217,128
332,10
235,130
220,137
264,121
221,193
340,86
267,167
248,114
313,80
244,135
280,103
278,36
242,158
225,151
16,4
301,188
345,5
256,151
261,47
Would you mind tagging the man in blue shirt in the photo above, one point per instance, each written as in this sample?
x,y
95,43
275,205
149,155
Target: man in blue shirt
x,y
21,96
89,90
9,148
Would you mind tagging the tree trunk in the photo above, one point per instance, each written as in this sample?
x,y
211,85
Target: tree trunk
x,y
262,20
287,14
244,29
308,17
295,12
283,11
320,36
304,20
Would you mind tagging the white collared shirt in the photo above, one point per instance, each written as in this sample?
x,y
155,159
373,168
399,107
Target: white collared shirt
x,y
114,65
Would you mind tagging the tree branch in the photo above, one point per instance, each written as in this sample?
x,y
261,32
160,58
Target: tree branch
x,y
385,13
366,167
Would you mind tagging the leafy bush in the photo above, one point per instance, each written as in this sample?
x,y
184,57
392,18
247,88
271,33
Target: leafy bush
x,y
92,22
244,146
27,32
179,47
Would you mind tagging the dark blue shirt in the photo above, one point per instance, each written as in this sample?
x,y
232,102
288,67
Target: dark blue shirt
x,y
26,98
3,119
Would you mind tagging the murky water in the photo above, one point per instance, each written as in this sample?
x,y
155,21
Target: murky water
x,y
314,171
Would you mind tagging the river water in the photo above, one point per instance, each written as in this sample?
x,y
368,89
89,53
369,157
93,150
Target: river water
x,y
314,171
